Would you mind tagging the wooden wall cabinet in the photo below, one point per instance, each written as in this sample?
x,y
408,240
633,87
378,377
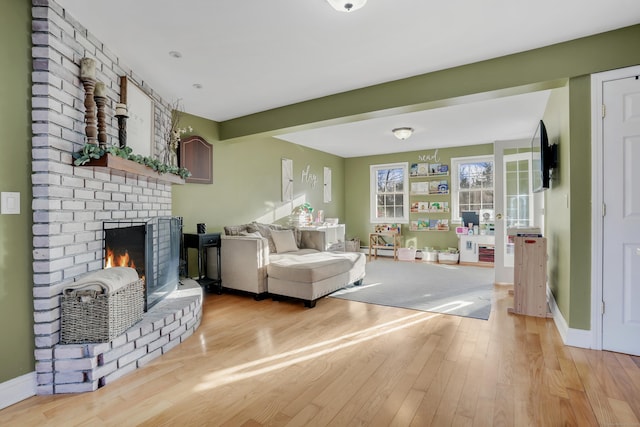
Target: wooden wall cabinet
x,y
196,154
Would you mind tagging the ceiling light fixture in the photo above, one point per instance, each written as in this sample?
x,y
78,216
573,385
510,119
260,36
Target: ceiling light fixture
x,y
346,6
402,133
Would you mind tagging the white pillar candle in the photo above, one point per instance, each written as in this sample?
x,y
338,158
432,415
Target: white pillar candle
x,y
100,90
87,68
121,109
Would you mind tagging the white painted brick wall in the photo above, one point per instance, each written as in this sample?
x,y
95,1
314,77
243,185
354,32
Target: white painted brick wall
x,y
70,203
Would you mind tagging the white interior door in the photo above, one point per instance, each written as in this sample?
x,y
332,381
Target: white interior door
x,y
514,201
621,223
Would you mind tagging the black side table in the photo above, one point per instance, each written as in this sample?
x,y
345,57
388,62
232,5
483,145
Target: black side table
x,y
201,242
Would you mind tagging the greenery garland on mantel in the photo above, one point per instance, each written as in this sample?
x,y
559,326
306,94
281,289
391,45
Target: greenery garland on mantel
x,y
93,151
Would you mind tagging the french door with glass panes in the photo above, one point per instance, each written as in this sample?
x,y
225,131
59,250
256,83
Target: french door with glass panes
x,y
516,204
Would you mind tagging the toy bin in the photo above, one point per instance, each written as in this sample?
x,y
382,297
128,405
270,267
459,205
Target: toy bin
x,y
448,258
406,254
429,255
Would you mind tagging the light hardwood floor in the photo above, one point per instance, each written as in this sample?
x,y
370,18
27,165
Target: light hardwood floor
x,y
346,363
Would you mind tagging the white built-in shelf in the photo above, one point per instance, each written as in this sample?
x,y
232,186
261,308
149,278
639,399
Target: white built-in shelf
x,y
431,175
428,194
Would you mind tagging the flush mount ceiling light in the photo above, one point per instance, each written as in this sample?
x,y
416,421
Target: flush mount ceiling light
x,y
402,133
346,6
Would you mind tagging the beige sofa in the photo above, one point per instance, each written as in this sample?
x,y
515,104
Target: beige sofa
x,y
251,263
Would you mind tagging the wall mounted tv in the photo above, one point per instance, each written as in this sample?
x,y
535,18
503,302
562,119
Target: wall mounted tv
x,y
544,158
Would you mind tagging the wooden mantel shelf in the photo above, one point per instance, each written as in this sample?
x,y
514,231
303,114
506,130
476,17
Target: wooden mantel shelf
x,y
118,165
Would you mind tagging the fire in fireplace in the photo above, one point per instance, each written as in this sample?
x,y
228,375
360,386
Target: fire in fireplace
x,y
125,246
151,247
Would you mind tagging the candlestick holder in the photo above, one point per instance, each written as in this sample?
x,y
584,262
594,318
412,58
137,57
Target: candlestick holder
x,y
122,116
90,110
101,101
122,130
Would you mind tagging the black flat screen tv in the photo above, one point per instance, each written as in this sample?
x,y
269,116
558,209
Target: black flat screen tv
x,y
470,217
543,158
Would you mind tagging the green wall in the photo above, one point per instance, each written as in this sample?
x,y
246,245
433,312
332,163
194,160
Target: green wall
x,y
557,210
246,181
357,195
16,274
580,201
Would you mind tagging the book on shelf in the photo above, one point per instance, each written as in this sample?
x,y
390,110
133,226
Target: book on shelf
x,y
438,187
438,207
420,207
428,169
420,224
442,225
429,224
419,169
420,187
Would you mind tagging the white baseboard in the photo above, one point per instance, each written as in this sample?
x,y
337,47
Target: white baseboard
x,y
17,389
573,337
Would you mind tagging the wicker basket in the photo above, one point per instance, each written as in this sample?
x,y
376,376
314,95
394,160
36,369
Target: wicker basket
x,y
352,245
96,318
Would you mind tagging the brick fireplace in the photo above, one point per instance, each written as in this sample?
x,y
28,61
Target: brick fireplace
x,y
71,205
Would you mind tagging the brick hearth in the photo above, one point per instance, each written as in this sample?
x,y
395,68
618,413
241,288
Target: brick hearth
x,y
86,367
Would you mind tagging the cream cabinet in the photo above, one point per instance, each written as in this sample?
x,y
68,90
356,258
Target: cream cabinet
x,y
334,236
476,249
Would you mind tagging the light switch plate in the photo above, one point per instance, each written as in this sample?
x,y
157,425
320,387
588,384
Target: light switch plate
x,y
9,203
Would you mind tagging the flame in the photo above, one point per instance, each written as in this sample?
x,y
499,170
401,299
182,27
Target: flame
x,y
113,260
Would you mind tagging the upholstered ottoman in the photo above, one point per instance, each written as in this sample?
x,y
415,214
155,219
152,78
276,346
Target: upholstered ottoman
x,y
309,275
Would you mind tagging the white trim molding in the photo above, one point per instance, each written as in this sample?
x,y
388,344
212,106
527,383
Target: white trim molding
x,y
17,389
573,337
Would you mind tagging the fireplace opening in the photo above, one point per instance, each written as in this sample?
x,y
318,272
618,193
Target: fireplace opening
x,y
151,247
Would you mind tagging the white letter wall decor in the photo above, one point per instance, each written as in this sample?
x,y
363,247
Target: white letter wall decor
x,y
309,177
429,158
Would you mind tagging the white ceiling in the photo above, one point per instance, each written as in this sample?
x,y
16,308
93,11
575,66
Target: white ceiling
x,y
254,55
481,122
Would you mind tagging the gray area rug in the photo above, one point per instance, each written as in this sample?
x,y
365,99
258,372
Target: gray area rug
x,y
440,288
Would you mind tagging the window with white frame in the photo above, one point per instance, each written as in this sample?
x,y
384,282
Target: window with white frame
x,y
472,187
389,193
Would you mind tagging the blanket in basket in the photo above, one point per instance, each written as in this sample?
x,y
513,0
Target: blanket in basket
x,y
104,281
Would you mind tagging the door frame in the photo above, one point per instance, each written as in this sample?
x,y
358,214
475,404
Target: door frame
x,y
597,197
500,271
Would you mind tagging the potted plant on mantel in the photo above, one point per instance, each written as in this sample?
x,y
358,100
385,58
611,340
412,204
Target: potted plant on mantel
x,y
91,154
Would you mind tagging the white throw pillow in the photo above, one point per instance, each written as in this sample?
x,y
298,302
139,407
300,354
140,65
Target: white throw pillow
x,y
284,241
248,234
